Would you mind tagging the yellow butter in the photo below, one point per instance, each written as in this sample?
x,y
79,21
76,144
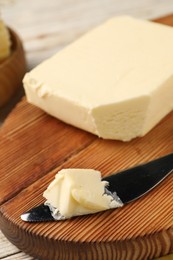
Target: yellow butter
x,y
4,41
116,81
76,192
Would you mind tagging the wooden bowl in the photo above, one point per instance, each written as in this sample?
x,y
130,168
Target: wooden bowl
x,y
12,70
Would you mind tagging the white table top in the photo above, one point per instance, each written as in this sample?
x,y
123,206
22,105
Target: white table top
x,y
47,26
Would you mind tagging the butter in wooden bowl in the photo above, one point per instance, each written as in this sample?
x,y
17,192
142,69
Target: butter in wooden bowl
x,y
12,63
116,81
5,42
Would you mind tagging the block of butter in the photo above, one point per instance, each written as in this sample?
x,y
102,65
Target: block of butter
x,y
5,43
116,81
76,192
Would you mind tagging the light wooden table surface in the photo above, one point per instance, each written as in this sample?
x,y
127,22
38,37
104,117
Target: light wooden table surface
x,y
46,26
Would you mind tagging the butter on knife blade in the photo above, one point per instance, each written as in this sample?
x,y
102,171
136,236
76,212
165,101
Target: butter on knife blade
x,y
77,192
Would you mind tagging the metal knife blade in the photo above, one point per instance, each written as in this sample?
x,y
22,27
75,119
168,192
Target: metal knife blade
x,y
129,185
133,183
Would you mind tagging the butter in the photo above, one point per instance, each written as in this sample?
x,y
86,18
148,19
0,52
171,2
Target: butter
x,y
76,192
116,81
5,43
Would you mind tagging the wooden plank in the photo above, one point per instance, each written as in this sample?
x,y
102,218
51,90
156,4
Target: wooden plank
x,y
6,249
9,251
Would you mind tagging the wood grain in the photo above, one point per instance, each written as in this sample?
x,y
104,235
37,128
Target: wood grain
x,y
144,226
28,151
34,146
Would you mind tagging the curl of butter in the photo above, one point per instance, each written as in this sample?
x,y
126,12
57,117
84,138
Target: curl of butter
x,y
76,192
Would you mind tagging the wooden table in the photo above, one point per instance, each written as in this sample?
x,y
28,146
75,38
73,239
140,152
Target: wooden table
x,y
47,26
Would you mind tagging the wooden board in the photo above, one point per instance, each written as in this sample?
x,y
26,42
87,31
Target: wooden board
x,y
34,146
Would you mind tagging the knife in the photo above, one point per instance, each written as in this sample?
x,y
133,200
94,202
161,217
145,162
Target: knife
x,y
129,185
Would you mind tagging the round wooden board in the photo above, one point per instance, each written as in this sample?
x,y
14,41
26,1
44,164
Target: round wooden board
x,y
34,146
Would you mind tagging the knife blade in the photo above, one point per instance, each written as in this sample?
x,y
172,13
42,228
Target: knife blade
x,y
129,185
